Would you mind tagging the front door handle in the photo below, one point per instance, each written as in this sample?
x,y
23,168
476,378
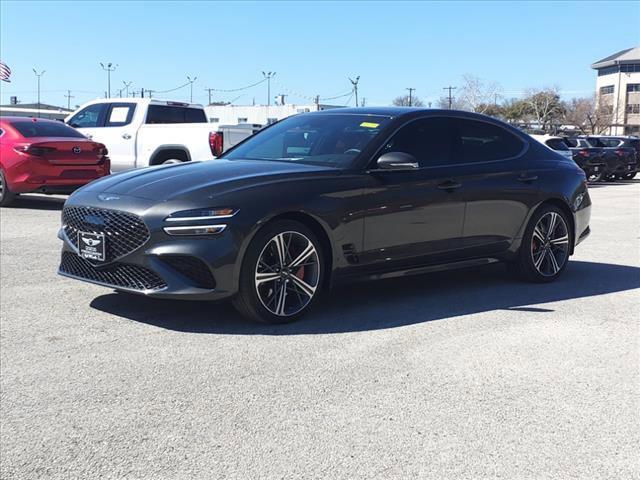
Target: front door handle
x,y
126,136
449,185
527,178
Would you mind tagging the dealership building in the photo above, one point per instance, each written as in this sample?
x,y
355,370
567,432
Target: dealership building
x,y
257,114
618,91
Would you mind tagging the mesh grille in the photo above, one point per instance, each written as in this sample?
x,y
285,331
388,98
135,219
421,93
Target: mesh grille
x,y
193,268
116,274
124,232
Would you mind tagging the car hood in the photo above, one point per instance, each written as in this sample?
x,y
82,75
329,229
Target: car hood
x,y
207,178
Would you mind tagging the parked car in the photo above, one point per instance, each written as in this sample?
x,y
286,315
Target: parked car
x,y
624,142
555,143
46,156
141,132
325,197
590,159
619,161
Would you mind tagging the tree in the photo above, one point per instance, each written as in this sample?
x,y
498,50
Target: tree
x,y
443,102
544,107
515,111
478,96
403,101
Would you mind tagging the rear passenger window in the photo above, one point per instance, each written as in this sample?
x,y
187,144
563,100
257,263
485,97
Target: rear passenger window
x,y
557,144
478,141
429,140
170,114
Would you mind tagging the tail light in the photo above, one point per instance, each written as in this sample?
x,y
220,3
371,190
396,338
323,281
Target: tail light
x,y
215,143
101,151
33,150
584,153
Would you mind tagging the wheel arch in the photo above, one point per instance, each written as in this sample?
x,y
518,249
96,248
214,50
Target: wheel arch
x,y
163,153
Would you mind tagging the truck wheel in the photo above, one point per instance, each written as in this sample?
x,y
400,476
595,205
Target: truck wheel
x,y
6,195
171,161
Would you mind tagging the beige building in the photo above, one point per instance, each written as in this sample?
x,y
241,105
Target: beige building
x,y
618,92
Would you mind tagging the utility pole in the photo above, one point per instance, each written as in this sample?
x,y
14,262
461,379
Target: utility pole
x,y
281,98
68,96
355,87
109,67
364,101
450,88
411,96
126,86
191,82
268,76
38,75
209,90
317,100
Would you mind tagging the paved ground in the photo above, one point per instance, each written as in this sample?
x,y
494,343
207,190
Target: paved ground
x,y
457,375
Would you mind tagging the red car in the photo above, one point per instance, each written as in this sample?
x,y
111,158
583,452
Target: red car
x,y
46,156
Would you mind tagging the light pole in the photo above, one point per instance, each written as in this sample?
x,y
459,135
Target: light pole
x,y
126,86
191,82
268,76
38,75
411,96
109,67
355,87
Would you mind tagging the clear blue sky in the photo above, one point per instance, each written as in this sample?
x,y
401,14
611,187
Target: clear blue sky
x,y
313,46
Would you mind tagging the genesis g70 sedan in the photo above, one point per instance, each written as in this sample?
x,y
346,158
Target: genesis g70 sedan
x,y
324,197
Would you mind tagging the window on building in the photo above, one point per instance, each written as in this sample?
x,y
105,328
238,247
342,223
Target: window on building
x,y
630,68
607,90
242,120
608,70
633,108
633,87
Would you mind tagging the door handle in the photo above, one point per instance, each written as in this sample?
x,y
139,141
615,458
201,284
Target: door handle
x,y
126,136
527,178
449,185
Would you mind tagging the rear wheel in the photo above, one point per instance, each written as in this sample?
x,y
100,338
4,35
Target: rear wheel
x,y
629,176
545,248
594,177
6,195
281,274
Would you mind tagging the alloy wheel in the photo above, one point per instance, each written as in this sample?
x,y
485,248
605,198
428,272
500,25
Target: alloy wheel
x,y
287,273
550,244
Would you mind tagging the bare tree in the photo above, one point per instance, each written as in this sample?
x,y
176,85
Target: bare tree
x,y
544,106
589,116
478,96
443,103
403,101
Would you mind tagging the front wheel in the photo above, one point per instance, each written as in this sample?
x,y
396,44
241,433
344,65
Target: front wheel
x,y
545,248
6,195
629,176
594,177
281,273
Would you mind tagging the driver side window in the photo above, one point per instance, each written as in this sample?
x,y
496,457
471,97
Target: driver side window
x,y
89,117
429,140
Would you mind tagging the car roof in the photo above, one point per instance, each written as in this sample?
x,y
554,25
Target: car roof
x,y
11,119
396,112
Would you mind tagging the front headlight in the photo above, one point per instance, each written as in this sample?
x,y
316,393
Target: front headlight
x,y
201,214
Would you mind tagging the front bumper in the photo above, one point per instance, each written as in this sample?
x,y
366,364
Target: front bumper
x,y
164,266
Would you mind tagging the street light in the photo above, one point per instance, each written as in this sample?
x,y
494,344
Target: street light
x,y
191,82
109,67
38,75
268,76
126,86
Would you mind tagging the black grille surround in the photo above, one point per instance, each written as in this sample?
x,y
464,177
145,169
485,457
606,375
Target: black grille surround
x,y
193,268
124,232
132,277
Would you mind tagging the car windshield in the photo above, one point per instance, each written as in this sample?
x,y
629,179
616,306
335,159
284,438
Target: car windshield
x,y
322,139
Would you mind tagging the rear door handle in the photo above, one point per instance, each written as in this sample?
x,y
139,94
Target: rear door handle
x,y
449,185
126,136
527,178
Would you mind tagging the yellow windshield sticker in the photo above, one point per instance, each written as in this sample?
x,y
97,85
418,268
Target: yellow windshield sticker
x,y
369,125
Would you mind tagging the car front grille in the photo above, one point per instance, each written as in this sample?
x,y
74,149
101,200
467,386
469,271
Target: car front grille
x,y
120,275
124,232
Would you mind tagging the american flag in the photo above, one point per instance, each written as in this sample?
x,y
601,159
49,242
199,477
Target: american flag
x,y
5,72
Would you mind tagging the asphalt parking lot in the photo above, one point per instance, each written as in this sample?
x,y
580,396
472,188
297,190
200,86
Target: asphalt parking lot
x,y
457,375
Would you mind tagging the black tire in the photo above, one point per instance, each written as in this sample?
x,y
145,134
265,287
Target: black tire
x,y
524,265
248,300
6,195
629,176
609,178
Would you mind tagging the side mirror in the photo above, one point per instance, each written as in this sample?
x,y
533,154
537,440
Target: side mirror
x,y
397,161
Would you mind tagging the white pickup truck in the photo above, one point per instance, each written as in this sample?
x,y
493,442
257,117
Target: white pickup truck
x,y
141,132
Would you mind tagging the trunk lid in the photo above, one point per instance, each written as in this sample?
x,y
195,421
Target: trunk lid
x,y
66,151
